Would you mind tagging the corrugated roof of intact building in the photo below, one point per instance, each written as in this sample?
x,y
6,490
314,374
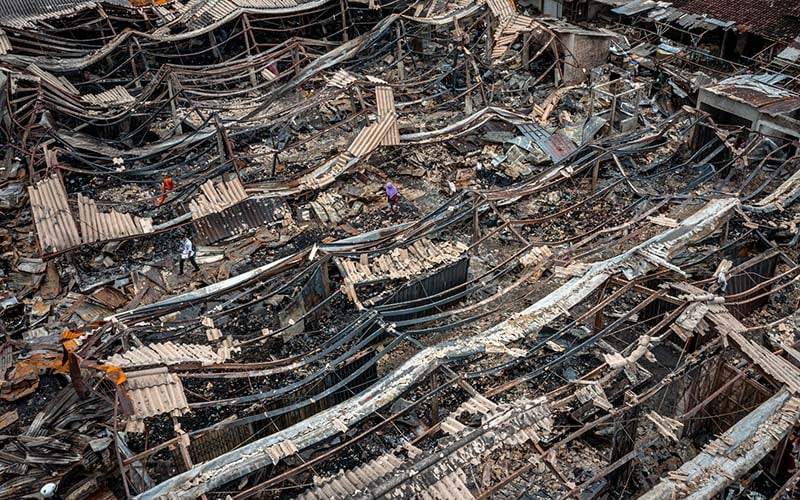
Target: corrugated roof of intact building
x,y
773,19
757,92
23,13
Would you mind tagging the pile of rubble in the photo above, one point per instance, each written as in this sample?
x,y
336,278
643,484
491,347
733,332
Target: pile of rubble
x,y
437,250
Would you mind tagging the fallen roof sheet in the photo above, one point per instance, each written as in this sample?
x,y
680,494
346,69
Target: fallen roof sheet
x,y
168,354
216,196
154,392
251,213
102,226
556,146
420,256
55,225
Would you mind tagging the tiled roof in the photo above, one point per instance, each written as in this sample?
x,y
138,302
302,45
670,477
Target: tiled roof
x,y
774,19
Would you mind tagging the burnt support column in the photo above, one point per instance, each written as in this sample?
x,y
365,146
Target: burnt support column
x,y
623,442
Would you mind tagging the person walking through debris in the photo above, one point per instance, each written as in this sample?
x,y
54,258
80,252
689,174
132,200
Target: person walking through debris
x,y
393,196
188,254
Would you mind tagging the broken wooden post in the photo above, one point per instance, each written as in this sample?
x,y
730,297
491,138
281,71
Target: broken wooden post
x,y
526,50
213,41
134,70
245,33
177,124
624,441
401,69
467,94
598,318
435,399
345,36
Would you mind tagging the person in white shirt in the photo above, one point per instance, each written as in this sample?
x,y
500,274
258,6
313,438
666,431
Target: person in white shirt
x,y
187,253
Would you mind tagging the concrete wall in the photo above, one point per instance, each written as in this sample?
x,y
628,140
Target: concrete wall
x,y
582,53
740,109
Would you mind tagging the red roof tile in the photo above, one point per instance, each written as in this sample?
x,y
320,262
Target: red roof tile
x,y
774,19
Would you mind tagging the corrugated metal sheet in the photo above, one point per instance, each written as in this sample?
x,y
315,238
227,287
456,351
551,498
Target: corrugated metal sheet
x,y
117,95
155,392
216,196
501,8
200,13
556,146
249,214
508,30
6,359
60,84
5,44
168,354
55,225
371,136
102,226
23,13
446,279
385,104
750,89
349,482
212,444
635,7
775,366
401,263
342,79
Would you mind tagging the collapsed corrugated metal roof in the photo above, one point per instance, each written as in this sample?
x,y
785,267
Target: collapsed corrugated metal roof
x,y
24,13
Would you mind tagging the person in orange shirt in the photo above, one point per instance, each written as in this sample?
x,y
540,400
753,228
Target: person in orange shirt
x,y
166,186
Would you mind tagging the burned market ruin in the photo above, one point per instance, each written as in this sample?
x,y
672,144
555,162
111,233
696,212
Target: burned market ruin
x,y
396,249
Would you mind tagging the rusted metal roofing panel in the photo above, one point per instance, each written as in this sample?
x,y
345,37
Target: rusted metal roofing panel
x,y
753,90
209,446
249,214
556,146
155,392
55,225
102,226
168,354
385,103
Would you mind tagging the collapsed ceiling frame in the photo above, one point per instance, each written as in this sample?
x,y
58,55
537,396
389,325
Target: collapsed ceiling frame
x,y
417,319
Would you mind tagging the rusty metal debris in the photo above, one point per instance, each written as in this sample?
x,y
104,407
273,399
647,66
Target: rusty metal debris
x,y
470,249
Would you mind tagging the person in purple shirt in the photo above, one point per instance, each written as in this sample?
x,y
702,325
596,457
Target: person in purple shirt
x,y
393,196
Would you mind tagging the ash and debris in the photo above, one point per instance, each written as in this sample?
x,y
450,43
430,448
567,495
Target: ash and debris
x,y
343,340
